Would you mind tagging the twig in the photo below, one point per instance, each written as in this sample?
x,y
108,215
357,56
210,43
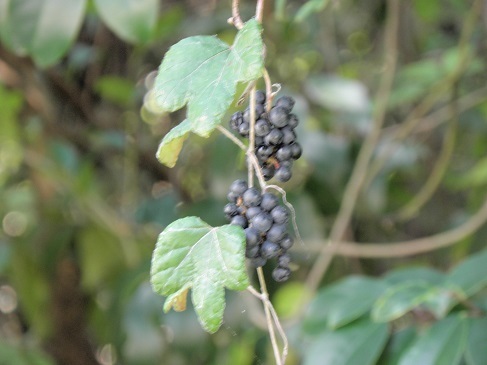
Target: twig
x,y
268,90
354,185
408,248
259,10
430,100
235,19
230,136
439,170
272,334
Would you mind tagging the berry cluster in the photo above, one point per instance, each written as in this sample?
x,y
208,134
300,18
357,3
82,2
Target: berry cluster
x,y
265,225
275,139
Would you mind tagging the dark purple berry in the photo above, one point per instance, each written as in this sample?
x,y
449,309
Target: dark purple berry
x,y
284,153
269,250
238,187
262,222
288,135
285,102
281,274
244,129
236,120
260,97
293,121
252,252
268,171
262,128
252,212
279,215
283,174
277,232
252,236
278,117
258,261
269,201
296,150
287,242
230,210
264,152
239,220
232,197
251,197
274,137
284,260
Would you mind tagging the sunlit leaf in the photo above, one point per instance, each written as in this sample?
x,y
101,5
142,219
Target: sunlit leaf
x,y
203,72
172,143
191,254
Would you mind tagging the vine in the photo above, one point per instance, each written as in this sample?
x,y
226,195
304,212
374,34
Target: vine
x,y
202,73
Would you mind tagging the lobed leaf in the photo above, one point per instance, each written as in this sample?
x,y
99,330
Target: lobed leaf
x,y
202,72
191,254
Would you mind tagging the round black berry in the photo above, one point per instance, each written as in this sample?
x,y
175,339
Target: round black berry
x,y
284,260
296,150
252,236
239,187
262,128
278,116
269,250
262,222
239,220
283,174
251,197
287,242
230,210
281,274
277,232
285,102
260,97
252,252
293,121
264,152
274,137
258,261
279,215
288,135
244,129
269,201
252,212
268,171
236,120
284,153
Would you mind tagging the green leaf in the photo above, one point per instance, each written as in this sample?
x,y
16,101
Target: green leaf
x,y
397,345
477,339
171,145
43,29
203,72
470,276
342,303
191,254
416,274
132,20
400,299
358,343
442,343
312,6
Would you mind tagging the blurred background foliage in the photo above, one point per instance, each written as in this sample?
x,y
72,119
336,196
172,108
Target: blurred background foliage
x,y
82,196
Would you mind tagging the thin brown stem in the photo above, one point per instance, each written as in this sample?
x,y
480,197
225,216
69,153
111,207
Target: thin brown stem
x,y
408,248
272,334
259,10
354,185
236,19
